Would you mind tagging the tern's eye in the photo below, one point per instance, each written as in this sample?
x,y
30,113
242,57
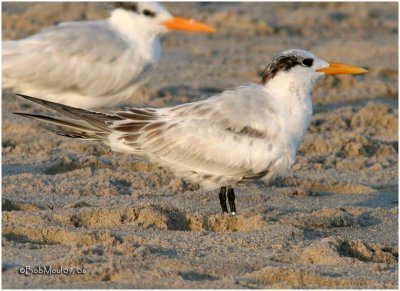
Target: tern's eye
x,y
307,62
149,13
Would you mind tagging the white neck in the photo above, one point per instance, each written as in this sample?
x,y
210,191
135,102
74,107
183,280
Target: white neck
x,y
292,97
142,34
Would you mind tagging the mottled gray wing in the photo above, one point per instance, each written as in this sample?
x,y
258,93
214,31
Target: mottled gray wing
x,y
88,57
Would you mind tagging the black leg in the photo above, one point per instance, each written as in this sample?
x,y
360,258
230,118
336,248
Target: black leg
x,y
231,200
222,199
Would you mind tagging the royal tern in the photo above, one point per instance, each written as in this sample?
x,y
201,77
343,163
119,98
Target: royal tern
x,y
90,64
248,133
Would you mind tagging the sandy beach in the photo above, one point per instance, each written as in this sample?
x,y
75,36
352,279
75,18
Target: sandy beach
x,y
332,222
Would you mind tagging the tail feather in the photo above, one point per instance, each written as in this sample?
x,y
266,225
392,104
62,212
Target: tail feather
x,y
84,124
59,121
80,124
81,135
96,119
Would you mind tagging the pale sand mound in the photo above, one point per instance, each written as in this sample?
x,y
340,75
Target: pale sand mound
x,y
331,223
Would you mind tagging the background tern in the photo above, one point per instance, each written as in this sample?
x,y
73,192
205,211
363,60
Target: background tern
x,y
90,64
251,132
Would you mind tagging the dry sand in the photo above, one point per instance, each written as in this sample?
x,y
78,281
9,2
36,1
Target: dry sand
x,y
331,223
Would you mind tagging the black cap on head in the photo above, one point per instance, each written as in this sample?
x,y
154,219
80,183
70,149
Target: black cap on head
x,y
284,62
130,6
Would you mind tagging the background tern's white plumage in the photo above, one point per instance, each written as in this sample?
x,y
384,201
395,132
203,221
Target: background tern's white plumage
x,y
90,64
238,136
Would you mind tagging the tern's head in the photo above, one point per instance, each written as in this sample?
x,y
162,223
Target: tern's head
x,y
151,19
303,68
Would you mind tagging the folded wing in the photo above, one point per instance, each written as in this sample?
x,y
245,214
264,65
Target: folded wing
x,y
223,140
73,57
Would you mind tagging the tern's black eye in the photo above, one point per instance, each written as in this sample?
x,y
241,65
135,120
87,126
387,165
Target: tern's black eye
x,y
307,62
149,13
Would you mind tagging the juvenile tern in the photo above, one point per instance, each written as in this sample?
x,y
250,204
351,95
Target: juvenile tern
x,y
241,135
90,64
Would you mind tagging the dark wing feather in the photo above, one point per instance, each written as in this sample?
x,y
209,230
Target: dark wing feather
x,y
96,119
80,124
59,121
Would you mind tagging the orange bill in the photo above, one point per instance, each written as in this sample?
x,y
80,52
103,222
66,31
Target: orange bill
x,y
336,69
179,23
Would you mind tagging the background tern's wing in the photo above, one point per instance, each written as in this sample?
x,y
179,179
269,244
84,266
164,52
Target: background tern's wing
x,y
88,57
219,141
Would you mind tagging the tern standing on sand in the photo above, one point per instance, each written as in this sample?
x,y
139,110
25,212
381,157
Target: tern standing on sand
x,y
241,135
90,64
